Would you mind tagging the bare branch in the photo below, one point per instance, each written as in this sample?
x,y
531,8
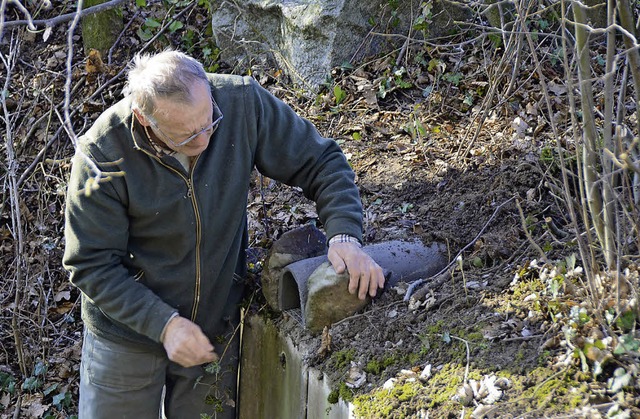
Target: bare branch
x,y
63,18
24,12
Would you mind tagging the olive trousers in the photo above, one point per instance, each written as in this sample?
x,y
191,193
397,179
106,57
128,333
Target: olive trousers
x,y
122,381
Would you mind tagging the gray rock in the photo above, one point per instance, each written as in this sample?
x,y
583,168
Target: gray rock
x,y
328,299
307,38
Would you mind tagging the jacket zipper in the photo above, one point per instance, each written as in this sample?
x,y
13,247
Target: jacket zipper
x,y
192,197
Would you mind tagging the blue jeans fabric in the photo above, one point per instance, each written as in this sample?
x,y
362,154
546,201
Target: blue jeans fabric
x,y
123,381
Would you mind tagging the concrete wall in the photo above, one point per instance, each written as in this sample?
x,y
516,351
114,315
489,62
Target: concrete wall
x,y
274,381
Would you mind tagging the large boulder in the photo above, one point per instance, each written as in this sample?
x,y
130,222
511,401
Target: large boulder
x,y
307,38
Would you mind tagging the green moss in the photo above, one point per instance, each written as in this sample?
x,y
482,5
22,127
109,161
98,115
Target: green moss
x,y
343,358
436,328
413,358
342,392
553,391
333,397
345,393
444,384
474,336
382,402
524,288
376,366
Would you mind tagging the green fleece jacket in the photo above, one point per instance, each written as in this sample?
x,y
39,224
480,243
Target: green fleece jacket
x,y
156,239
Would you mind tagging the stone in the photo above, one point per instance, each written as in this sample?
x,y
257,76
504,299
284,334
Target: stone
x,y
328,298
307,38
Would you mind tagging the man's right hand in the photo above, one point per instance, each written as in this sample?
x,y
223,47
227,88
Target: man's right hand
x,y
186,344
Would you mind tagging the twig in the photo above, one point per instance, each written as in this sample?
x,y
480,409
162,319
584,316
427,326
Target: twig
x,y
67,85
98,91
25,12
535,245
16,413
419,282
466,368
16,219
64,18
135,15
3,5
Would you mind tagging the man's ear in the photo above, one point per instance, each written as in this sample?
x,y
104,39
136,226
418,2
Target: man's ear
x,y
141,118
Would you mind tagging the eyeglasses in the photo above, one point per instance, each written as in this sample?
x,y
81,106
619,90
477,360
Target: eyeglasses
x,y
209,129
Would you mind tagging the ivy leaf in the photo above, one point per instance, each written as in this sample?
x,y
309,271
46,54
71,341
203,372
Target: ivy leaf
x,y
144,34
31,383
50,389
627,320
175,26
151,23
627,343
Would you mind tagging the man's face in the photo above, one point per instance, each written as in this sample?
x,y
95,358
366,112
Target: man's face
x,y
187,128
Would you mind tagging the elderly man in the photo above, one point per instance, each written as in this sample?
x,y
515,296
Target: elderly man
x,y
158,250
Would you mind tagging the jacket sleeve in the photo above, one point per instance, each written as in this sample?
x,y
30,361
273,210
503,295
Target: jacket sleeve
x,y
290,150
96,235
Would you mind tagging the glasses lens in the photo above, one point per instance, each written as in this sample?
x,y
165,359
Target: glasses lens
x,y
209,130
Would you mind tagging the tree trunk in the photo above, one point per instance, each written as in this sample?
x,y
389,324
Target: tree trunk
x,y
101,30
599,210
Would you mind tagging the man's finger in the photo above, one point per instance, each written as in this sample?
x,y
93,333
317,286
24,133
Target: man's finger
x,y
336,261
365,279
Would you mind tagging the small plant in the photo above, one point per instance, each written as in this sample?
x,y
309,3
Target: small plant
x,y
7,383
34,382
339,95
423,21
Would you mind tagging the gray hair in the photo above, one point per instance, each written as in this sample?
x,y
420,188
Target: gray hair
x,y
169,74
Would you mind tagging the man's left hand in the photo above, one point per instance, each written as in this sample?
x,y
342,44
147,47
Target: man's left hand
x,y
365,275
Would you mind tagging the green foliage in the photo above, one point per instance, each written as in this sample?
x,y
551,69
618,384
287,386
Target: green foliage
x,y
345,392
7,382
626,321
453,78
36,380
62,400
395,79
627,344
194,39
333,397
338,94
342,392
146,31
406,207
213,368
216,402
423,21
496,40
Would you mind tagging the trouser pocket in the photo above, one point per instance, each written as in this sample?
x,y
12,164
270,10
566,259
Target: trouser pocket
x,y
119,366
